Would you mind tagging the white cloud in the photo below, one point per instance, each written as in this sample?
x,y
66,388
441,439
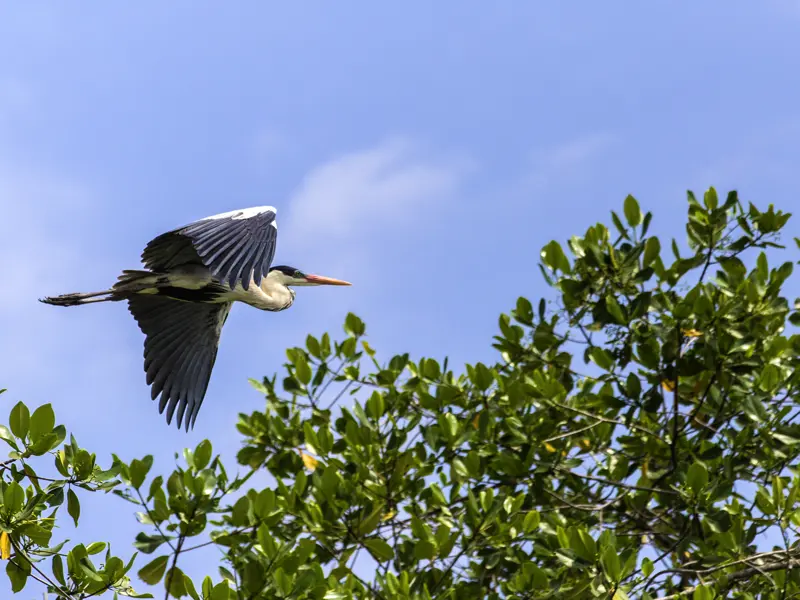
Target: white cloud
x,y
46,252
42,256
576,152
554,166
566,159
396,180
359,206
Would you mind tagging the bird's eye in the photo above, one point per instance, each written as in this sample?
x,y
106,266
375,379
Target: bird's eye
x,y
299,275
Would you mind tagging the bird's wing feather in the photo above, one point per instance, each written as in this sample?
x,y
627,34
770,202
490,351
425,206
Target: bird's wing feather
x,y
180,348
237,246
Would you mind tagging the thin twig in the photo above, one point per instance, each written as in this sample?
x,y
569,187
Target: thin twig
x,y
571,433
605,419
739,576
627,486
153,520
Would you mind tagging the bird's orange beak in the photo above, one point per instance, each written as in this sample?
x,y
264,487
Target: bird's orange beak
x,y
320,280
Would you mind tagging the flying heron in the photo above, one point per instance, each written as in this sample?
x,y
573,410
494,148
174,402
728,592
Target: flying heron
x,y
182,298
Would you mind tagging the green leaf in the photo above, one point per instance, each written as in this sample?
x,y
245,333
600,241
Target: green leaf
x,y
531,522
618,224
524,311
371,521
282,581
18,573
13,498
42,422
602,358
313,346
202,455
73,506
553,256
176,581
95,548
6,435
207,587
647,567
652,250
379,549
149,543
697,477
221,591
58,569
375,405
615,310
138,470
302,370
353,325
19,420
770,378
703,591
610,562
424,550
710,198
648,353
188,585
633,386
633,213
152,572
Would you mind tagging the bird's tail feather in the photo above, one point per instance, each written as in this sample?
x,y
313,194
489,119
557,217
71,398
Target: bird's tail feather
x,y
81,298
129,283
139,278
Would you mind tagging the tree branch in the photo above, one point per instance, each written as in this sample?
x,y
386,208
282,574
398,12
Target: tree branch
x,y
787,563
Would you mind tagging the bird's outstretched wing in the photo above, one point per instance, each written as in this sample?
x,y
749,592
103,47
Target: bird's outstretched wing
x,y
180,348
236,246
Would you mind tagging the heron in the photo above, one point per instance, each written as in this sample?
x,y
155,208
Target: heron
x,y
192,276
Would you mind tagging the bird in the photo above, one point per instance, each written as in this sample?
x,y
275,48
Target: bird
x,y
182,297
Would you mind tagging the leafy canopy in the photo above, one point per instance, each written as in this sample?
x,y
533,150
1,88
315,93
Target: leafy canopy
x,y
637,438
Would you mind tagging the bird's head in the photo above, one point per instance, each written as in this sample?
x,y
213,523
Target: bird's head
x,y
289,276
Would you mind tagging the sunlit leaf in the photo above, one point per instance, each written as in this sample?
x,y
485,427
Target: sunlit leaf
x,y
5,546
309,461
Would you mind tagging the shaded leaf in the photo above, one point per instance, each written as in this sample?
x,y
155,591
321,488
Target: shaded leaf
x,y
379,549
153,571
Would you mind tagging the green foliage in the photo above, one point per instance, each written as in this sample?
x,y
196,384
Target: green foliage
x,y
32,501
637,438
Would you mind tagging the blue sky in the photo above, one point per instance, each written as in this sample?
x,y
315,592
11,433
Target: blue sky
x,y
424,151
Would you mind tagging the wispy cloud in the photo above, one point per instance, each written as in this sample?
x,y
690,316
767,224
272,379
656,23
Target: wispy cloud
x,y
349,207
43,349
573,153
42,256
567,159
388,183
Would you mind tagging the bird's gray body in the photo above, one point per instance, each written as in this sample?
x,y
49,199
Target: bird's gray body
x,y
195,283
182,298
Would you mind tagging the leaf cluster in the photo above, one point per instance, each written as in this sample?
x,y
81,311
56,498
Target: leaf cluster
x,y
637,437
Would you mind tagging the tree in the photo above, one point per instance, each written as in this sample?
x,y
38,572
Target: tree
x,y
637,438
